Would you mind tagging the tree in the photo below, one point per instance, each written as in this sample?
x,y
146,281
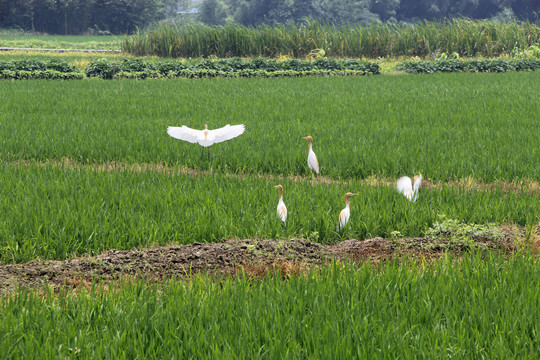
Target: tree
x,y
344,11
386,9
212,12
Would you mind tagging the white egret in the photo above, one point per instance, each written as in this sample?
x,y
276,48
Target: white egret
x,y
405,186
281,208
312,158
206,137
345,214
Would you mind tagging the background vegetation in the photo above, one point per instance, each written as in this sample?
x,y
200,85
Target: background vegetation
x,y
463,37
124,16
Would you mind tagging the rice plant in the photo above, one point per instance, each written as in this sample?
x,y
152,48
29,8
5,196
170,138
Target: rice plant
x,y
447,126
59,212
480,306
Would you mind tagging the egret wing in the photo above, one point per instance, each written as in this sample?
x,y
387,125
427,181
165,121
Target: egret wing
x,y
417,182
226,133
404,185
282,211
184,133
313,163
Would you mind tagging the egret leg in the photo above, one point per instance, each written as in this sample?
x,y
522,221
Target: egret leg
x,y
208,154
202,153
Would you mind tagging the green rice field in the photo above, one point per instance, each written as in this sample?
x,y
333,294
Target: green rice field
x,y
448,126
475,308
87,167
57,213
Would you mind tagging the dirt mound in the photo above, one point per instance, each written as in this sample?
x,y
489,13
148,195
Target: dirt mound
x,y
256,257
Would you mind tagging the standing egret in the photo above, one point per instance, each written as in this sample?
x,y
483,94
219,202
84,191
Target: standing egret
x,y
405,187
206,137
312,158
281,208
345,214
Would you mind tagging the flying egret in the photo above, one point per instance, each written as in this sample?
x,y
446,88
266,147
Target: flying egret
x,y
405,186
281,208
206,137
345,214
312,158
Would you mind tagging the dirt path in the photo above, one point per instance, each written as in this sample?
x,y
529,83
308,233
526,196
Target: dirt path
x,y
255,257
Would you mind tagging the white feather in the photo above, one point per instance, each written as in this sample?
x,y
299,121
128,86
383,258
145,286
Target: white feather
x,y
282,210
405,187
344,217
312,161
205,137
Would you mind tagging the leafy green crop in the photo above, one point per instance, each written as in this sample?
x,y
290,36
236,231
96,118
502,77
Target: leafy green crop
x,y
488,65
108,69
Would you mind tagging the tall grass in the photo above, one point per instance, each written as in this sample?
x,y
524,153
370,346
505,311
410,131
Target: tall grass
x,y
466,37
446,126
472,308
58,213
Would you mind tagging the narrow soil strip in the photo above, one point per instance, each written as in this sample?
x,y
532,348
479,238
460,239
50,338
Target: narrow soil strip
x,y
254,257
527,186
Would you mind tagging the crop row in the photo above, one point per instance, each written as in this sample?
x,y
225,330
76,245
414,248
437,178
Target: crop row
x,y
465,37
57,213
236,67
489,65
472,308
106,69
446,126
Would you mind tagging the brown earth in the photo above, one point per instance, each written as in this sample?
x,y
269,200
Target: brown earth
x,y
255,257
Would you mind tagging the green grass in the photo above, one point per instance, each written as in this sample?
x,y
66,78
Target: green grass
x,y
58,213
473,308
446,126
468,38
61,42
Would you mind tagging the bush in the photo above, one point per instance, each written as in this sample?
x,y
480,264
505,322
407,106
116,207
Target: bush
x,y
40,74
234,67
454,65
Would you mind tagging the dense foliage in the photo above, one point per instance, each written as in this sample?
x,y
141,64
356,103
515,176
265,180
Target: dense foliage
x,y
83,16
252,12
473,65
37,69
107,69
465,37
124,16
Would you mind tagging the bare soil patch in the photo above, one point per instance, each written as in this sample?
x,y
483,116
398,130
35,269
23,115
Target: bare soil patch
x,y
255,257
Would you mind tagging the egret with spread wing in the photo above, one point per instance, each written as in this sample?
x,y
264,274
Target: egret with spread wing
x,y
405,186
206,137
281,208
345,214
312,158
